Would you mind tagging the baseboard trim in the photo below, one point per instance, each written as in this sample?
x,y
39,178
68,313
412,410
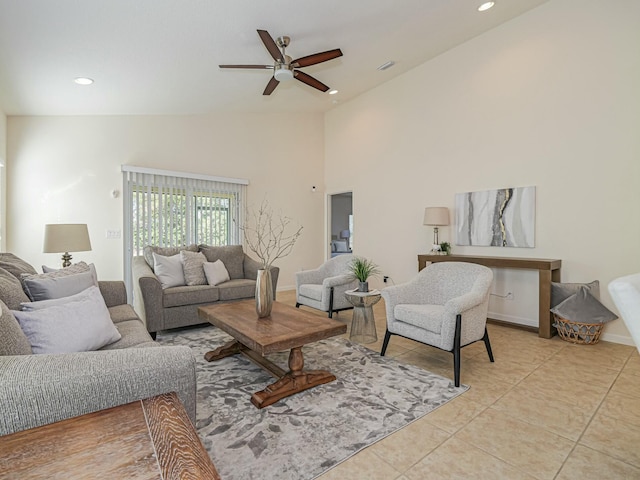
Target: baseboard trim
x,y
621,339
516,326
528,322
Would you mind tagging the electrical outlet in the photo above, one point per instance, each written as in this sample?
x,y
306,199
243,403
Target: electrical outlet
x,y
113,234
509,296
385,278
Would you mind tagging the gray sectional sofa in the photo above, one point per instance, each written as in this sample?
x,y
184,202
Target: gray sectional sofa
x,y
173,307
37,389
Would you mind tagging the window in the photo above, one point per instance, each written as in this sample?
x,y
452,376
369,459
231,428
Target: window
x,y
170,209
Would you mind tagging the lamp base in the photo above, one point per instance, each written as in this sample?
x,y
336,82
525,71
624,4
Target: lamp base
x,y
66,259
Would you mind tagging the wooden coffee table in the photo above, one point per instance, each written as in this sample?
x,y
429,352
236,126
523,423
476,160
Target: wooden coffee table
x,y
151,439
286,328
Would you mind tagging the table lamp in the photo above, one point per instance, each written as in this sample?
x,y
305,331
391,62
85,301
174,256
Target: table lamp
x,y
345,234
66,237
436,217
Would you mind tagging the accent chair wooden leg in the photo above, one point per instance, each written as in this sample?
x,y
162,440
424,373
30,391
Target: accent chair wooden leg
x,y
385,342
331,302
487,343
456,350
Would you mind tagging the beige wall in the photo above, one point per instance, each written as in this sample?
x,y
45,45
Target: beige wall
x,y
550,99
63,170
3,180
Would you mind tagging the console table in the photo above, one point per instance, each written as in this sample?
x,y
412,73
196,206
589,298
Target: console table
x,y
147,439
548,271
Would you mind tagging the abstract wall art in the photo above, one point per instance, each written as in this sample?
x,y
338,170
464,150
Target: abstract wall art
x,y
497,218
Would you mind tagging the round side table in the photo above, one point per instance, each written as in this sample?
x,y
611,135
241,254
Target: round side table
x,y
363,325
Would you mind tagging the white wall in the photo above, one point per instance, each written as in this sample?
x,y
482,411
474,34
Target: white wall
x,y
3,180
549,99
63,170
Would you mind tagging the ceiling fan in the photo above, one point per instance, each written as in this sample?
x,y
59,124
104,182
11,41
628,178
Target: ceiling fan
x,y
284,67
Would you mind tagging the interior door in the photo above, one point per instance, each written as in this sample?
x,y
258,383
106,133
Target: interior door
x,y
340,224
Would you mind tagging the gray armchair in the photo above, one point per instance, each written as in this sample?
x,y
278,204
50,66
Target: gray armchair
x,y
445,306
323,288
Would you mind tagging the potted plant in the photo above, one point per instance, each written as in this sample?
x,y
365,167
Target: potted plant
x,y
363,268
446,248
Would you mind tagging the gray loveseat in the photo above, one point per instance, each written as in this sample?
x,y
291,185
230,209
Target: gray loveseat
x,y
37,389
173,307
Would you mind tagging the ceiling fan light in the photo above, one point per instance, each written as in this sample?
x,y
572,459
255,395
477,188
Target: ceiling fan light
x,y
486,6
283,74
83,80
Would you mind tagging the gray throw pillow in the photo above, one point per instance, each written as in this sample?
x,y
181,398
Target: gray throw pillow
x,y
149,250
39,305
76,326
11,292
583,307
13,341
71,269
15,265
192,263
231,255
56,285
561,291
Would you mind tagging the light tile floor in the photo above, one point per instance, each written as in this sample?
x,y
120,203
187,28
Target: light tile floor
x,y
546,409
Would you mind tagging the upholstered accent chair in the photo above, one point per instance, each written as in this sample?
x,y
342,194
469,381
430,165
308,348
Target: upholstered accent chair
x,y
444,306
323,288
625,292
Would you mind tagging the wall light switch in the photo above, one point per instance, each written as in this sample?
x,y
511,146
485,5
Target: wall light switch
x,y
114,234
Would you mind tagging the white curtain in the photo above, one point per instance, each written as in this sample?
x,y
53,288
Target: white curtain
x,y
170,209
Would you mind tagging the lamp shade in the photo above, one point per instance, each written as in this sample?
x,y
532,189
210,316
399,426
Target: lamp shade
x,y
66,237
345,234
436,216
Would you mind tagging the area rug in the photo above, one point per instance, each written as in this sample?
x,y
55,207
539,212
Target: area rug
x,y
302,436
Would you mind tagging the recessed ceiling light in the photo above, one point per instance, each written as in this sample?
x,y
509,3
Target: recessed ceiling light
x,y
83,81
333,92
389,64
486,6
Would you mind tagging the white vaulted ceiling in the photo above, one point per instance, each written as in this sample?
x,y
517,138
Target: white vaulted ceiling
x,y
162,56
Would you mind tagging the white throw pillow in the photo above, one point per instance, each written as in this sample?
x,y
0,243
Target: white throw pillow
x,y
79,325
168,270
341,246
215,272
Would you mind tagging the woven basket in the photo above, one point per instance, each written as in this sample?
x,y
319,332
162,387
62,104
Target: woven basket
x,y
578,332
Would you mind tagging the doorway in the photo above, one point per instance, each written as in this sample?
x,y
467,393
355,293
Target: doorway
x,y
340,224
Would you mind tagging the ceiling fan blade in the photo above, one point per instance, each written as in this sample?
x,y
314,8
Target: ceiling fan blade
x,y
271,45
271,86
317,58
261,67
309,80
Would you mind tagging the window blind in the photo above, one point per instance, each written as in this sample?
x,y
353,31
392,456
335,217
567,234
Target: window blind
x,y
171,209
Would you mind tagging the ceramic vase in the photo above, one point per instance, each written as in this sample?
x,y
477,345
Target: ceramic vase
x,y
264,293
363,286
